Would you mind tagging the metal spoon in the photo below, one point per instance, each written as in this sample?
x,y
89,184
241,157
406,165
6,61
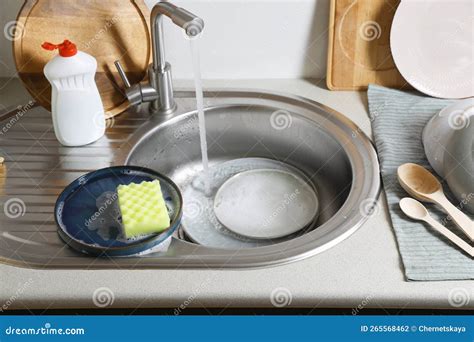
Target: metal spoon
x,y
417,211
421,184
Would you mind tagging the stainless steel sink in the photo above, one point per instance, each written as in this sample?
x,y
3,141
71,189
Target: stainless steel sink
x,y
339,159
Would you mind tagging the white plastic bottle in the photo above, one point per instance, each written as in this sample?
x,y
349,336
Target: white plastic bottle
x,y
78,114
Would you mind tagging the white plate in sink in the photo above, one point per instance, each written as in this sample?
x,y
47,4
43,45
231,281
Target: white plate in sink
x,y
432,43
200,222
265,204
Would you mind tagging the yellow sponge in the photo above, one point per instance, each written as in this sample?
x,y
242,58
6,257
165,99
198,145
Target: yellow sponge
x,y
143,208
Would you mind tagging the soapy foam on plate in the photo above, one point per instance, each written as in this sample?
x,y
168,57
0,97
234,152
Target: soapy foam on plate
x,y
199,220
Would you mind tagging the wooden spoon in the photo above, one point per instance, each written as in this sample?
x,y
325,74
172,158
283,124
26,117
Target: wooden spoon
x,y
417,211
421,184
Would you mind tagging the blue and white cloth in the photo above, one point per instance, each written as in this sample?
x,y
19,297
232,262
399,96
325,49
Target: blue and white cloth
x,y
398,119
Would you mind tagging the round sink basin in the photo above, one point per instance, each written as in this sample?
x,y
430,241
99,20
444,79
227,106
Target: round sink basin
x,y
332,151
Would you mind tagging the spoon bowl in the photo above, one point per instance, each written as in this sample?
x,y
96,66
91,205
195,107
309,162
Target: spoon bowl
x,y
413,209
418,181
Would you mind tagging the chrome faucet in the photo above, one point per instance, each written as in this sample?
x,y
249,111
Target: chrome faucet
x,y
159,89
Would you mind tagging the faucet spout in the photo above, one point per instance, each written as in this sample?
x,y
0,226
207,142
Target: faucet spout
x,y
160,90
192,25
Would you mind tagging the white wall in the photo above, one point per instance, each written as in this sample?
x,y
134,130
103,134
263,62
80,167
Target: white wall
x,y
242,38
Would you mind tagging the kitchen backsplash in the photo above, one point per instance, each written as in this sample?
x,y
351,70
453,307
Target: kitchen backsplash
x,y
243,39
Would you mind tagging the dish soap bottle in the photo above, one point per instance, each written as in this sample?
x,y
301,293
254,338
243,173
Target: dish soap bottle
x,y
78,114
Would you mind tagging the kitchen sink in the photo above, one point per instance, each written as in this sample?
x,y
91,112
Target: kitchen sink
x,y
328,148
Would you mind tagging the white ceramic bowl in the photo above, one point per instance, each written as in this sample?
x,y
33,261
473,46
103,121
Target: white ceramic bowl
x,y
440,129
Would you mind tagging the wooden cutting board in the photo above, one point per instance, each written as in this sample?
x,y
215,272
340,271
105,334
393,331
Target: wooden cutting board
x,y
106,29
359,45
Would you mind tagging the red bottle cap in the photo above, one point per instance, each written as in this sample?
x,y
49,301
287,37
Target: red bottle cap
x,y
66,48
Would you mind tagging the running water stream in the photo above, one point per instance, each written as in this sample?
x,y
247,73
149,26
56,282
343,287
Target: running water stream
x,y
194,43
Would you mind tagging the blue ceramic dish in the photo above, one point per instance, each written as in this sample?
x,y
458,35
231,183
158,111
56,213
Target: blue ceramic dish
x,y
95,229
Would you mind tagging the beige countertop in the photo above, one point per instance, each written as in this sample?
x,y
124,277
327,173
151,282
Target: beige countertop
x,y
363,270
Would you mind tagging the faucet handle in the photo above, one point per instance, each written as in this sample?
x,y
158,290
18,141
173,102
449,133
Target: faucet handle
x,y
137,93
122,74
133,93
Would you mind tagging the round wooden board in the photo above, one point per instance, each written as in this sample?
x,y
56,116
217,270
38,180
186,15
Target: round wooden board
x,y
109,30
